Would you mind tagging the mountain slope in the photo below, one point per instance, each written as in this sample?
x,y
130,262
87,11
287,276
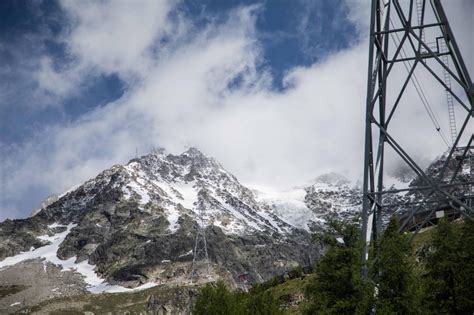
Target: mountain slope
x,y
135,225
309,207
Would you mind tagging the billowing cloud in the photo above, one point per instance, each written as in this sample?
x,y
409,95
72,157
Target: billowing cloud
x,y
108,38
206,87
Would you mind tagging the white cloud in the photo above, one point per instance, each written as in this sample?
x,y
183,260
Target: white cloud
x,y
109,37
50,81
182,98
116,36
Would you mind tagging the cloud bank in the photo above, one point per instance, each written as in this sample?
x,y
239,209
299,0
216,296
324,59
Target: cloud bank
x,y
197,86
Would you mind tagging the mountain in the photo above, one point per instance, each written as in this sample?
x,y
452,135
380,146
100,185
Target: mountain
x,y
134,226
309,207
333,196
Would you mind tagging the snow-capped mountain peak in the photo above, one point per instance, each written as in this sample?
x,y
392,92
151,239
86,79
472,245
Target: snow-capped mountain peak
x,y
183,184
131,222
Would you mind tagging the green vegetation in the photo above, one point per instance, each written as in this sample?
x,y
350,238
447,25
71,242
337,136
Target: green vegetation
x,y
337,287
436,278
449,271
217,299
291,294
431,275
434,274
394,273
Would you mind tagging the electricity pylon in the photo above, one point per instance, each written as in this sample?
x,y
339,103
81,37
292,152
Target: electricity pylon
x,y
407,38
200,255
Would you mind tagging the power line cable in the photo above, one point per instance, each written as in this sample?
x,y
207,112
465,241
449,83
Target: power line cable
x,y
419,88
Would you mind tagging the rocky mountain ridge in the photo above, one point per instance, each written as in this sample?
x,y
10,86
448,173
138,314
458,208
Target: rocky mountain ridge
x,y
135,224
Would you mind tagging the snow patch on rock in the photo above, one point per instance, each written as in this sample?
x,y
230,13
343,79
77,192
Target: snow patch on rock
x,y
95,284
289,205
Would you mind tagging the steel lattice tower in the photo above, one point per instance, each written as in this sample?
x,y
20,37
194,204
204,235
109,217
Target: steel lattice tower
x,y
200,255
414,35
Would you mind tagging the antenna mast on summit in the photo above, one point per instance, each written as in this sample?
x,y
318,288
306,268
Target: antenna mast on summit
x,y
200,255
405,39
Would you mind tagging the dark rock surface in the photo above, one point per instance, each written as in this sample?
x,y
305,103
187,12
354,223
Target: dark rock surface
x,y
137,223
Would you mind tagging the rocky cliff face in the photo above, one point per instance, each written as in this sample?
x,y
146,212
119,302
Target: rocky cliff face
x,y
136,224
458,170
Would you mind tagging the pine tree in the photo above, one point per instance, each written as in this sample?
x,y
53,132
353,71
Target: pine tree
x,y
464,272
337,287
216,299
261,302
394,274
442,274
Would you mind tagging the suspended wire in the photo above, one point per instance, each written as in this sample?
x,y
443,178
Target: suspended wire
x,y
419,88
416,83
420,91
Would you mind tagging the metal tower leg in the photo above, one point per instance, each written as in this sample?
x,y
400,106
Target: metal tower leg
x,y
413,45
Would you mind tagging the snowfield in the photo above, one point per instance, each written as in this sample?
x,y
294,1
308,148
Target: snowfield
x,y
47,253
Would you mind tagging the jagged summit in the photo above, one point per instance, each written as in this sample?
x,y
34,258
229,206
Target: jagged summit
x,y
135,223
332,178
190,165
182,184
194,152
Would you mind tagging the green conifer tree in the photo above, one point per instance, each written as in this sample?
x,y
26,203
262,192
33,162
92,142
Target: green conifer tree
x,y
442,262
394,274
216,299
465,269
261,302
337,287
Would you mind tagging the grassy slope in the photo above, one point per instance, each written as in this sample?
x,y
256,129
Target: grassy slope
x,y
422,238
291,294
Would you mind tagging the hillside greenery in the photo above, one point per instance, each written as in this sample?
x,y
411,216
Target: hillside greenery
x,y
431,274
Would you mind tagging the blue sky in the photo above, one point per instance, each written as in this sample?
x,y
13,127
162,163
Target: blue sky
x,y
30,30
256,84
292,33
